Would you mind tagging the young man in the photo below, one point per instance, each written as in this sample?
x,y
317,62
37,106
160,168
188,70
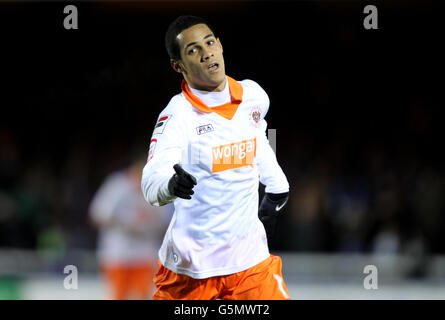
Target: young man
x,y
208,154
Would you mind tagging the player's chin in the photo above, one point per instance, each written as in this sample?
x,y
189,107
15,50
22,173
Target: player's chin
x,y
216,77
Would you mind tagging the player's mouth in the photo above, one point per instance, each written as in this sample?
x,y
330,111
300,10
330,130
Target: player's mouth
x,y
213,67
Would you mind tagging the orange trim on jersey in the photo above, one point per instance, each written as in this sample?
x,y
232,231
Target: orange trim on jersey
x,y
226,110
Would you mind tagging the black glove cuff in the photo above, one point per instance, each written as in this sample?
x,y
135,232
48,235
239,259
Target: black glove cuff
x,y
277,197
273,203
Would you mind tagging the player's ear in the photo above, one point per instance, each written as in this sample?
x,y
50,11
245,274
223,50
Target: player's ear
x,y
176,65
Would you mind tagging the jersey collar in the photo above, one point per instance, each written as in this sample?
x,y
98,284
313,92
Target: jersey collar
x,y
226,110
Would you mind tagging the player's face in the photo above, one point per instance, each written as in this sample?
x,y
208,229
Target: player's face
x,y
202,62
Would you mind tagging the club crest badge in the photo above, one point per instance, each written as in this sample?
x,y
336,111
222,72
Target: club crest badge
x,y
255,116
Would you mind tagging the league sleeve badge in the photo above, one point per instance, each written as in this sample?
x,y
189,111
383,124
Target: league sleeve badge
x,y
160,125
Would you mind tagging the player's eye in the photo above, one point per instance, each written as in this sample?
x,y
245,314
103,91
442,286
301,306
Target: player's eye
x,y
211,42
193,50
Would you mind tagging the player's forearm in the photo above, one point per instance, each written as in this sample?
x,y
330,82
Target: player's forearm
x,y
155,187
155,190
155,177
275,180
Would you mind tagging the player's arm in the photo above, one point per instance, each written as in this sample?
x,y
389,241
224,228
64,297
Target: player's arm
x,y
277,186
163,179
271,175
156,175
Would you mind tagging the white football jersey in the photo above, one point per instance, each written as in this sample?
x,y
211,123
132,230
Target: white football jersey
x,y
225,148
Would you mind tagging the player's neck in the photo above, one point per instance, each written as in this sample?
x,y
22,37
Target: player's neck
x,y
220,87
213,98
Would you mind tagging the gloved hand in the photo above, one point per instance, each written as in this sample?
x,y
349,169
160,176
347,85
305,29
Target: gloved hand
x,y
270,208
182,183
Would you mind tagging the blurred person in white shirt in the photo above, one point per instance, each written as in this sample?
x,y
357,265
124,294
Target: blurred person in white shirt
x,y
130,232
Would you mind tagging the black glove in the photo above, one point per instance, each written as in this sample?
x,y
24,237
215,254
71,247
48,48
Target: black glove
x,y
271,206
182,183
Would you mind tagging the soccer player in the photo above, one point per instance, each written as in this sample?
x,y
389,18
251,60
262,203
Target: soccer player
x,y
130,232
208,153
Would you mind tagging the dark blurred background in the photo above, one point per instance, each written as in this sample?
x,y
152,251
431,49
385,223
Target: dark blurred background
x,y
358,114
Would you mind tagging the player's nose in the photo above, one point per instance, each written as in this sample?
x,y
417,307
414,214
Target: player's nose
x,y
206,54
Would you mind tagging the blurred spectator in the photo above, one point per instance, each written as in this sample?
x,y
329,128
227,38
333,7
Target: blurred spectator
x,y
130,233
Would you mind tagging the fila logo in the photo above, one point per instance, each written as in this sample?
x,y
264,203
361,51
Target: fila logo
x,y
204,129
234,155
